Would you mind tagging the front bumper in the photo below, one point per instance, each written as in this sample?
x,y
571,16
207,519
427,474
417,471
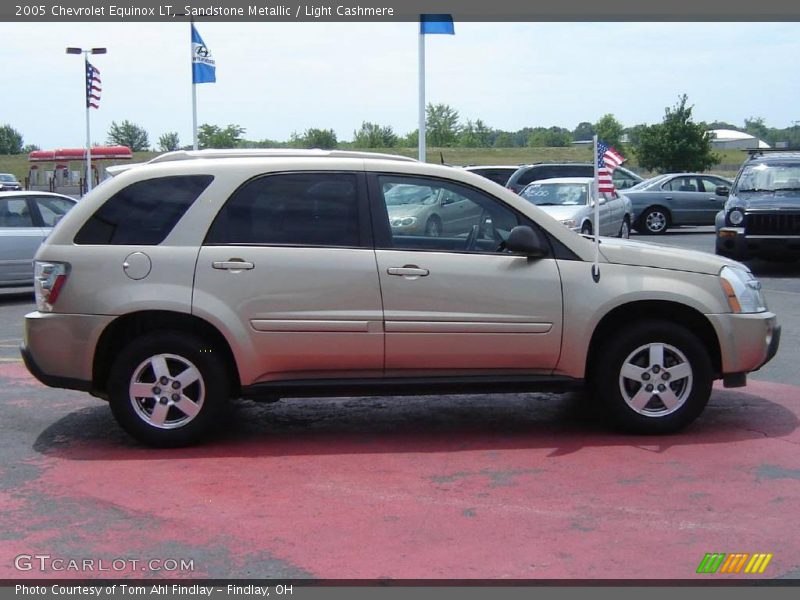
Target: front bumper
x,y
735,243
747,341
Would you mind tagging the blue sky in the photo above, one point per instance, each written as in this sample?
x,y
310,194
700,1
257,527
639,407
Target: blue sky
x,y
276,78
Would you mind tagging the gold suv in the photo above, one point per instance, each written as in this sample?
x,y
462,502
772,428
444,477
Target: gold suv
x,y
203,276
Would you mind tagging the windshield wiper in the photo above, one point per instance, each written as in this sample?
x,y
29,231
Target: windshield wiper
x,y
546,204
755,190
788,189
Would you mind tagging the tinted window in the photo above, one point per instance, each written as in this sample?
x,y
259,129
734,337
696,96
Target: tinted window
x,y
535,174
497,175
307,209
622,180
426,214
52,209
681,184
575,171
15,213
143,213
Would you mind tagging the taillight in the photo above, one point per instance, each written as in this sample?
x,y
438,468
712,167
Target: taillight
x,y
48,281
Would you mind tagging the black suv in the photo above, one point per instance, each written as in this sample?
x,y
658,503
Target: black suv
x,y
623,178
761,217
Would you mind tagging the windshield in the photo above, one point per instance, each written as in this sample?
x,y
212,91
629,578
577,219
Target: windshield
x,y
769,177
7,177
400,194
556,194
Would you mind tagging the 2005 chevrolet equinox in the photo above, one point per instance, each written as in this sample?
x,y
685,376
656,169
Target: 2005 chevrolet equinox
x,y
203,276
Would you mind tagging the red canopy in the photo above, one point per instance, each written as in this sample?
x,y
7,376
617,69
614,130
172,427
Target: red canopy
x,y
98,153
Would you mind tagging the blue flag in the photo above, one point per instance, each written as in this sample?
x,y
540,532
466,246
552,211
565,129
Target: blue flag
x,y
436,24
203,65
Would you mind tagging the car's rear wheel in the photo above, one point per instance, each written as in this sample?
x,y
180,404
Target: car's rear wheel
x,y
654,221
586,229
166,389
654,377
625,229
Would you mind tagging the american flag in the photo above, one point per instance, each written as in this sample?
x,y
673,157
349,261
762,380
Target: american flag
x,y
93,88
608,159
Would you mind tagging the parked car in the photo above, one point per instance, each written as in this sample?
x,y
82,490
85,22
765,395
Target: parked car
x,y
497,173
210,275
569,201
622,177
428,210
26,219
9,183
761,217
676,199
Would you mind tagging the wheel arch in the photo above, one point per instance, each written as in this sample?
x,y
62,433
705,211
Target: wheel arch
x,y
642,310
129,326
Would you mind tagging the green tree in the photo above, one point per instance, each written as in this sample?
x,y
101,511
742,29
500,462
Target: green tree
x,y
677,143
372,135
441,125
757,127
552,137
583,131
10,140
213,136
411,139
504,140
474,134
128,134
609,130
169,141
315,138
28,148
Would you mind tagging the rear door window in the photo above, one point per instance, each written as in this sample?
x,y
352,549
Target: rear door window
x,y
51,209
144,213
292,209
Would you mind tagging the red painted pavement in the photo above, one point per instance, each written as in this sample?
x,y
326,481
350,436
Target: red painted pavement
x,y
522,486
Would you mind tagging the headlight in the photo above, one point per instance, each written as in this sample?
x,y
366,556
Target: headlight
x,y
742,290
403,221
568,223
735,217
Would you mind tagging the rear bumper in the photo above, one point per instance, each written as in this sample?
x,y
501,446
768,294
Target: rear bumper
x,y
58,349
735,243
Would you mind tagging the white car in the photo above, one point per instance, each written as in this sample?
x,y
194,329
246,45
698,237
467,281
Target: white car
x,y
569,201
26,219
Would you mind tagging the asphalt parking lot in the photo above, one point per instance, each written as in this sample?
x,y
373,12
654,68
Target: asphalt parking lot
x,y
459,487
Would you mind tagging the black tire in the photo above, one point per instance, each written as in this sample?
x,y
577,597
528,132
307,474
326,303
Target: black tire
x,y
625,229
631,348
433,228
586,229
654,221
137,415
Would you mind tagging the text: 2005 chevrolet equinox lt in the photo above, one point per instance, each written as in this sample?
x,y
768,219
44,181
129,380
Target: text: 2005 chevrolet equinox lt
x,y
204,276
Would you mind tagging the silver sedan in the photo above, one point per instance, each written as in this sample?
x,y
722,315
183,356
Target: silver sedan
x,y
676,199
567,199
26,218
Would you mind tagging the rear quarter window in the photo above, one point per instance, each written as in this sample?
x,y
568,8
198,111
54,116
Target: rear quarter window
x,y
144,213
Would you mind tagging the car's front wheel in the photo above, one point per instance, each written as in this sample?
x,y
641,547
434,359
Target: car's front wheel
x,y
654,377
167,389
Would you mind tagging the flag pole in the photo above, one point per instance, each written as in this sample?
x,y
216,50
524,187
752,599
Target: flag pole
x,y
421,136
88,131
596,227
194,85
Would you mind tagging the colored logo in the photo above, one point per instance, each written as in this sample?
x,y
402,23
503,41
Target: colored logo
x,y
719,562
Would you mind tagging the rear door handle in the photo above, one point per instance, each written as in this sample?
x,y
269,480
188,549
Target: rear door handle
x,y
234,264
408,271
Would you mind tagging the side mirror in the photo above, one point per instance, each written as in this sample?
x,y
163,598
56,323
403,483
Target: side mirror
x,y
723,190
524,240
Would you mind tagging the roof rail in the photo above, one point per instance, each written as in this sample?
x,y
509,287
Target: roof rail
x,y
761,151
272,153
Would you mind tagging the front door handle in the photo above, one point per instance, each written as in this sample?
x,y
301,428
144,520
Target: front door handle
x,y
408,271
234,264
